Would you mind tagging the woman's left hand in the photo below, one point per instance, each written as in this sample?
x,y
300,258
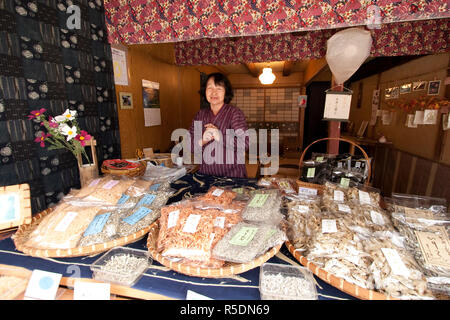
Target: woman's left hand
x,y
215,132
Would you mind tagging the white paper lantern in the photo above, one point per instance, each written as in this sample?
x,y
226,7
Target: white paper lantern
x,y
346,52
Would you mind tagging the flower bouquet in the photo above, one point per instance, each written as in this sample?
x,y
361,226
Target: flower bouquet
x,y
63,132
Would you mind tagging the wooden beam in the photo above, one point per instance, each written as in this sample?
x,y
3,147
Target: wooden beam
x,y
221,70
313,68
251,67
287,68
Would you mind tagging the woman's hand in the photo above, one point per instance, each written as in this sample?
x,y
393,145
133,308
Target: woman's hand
x,y
213,131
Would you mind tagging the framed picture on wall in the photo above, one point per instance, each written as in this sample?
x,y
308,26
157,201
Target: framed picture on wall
x,y
433,87
419,85
126,100
405,88
15,206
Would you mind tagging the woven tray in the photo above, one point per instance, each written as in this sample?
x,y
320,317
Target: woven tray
x,y
135,169
227,270
21,236
339,283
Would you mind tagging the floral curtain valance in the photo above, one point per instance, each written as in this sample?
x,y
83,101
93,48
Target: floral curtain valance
x,y
396,39
156,21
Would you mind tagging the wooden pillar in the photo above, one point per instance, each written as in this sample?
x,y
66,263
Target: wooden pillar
x,y
334,127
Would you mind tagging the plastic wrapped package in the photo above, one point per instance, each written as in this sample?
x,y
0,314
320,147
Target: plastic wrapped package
x,y
103,228
263,207
316,172
62,228
160,173
334,193
395,271
364,196
217,195
266,181
303,219
285,185
244,242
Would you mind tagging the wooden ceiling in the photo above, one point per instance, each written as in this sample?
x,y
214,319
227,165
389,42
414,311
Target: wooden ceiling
x,y
255,69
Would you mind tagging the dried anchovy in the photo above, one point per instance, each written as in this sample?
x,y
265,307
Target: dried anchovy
x,y
280,287
268,212
225,250
122,268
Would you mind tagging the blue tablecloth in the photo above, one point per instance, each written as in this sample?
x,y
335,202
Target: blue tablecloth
x,y
244,286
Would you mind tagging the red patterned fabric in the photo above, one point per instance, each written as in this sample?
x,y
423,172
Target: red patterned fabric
x,y
156,21
396,39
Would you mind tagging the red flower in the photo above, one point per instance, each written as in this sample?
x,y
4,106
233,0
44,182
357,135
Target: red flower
x,y
36,113
83,137
42,138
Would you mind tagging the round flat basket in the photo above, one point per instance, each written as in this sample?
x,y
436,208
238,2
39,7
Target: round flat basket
x,y
22,233
227,270
339,283
121,167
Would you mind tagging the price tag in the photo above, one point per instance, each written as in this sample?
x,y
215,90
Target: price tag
x,y
319,159
191,223
338,195
344,208
395,262
97,224
172,219
244,236
218,192
377,217
137,215
84,290
258,200
146,200
301,208
329,226
345,182
311,172
364,197
307,191
219,222
124,198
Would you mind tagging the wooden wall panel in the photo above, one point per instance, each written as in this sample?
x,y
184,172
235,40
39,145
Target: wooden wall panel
x,y
441,187
389,172
404,170
422,174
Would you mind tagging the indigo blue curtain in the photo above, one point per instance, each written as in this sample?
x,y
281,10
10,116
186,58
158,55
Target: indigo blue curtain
x,y
45,63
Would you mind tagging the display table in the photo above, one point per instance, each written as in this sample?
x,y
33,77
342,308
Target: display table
x,y
159,282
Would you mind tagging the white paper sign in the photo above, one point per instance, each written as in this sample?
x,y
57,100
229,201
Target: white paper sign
x,y
191,223
418,117
395,262
192,295
43,285
430,116
119,59
337,106
329,226
152,111
84,290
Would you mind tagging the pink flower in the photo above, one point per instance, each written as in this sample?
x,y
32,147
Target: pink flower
x,y
36,113
52,122
42,138
83,137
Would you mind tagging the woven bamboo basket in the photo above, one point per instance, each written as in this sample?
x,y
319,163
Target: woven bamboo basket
x,y
321,187
339,283
227,270
134,172
336,282
22,233
162,158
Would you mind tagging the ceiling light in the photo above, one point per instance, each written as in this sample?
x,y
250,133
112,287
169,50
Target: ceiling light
x,y
267,77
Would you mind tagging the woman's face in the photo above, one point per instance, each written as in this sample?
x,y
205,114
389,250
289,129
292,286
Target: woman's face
x,y
215,94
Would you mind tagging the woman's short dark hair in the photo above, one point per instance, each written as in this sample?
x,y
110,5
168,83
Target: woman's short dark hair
x,y
219,80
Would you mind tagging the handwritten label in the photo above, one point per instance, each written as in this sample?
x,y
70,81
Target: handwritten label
x,y
244,236
307,191
137,215
338,195
172,219
311,172
109,185
435,247
66,221
83,290
124,198
377,217
345,182
364,197
395,262
319,159
329,226
97,224
301,208
219,222
146,200
286,186
258,200
191,223
344,208
218,192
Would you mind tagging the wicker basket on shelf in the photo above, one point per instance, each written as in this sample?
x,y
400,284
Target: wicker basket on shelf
x,y
320,187
228,269
121,167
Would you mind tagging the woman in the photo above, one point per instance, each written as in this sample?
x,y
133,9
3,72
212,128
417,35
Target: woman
x,y
223,142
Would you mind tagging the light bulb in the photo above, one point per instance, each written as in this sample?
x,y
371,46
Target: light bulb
x,y
267,77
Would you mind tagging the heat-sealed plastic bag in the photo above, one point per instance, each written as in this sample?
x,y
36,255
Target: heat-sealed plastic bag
x,y
218,195
263,206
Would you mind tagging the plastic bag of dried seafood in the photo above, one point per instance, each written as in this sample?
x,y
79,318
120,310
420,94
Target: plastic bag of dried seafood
x,y
245,241
264,206
62,228
395,271
334,193
218,195
190,229
363,195
303,219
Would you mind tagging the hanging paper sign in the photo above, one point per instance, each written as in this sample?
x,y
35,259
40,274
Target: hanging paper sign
x,y
418,117
410,121
446,121
337,105
302,101
430,116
